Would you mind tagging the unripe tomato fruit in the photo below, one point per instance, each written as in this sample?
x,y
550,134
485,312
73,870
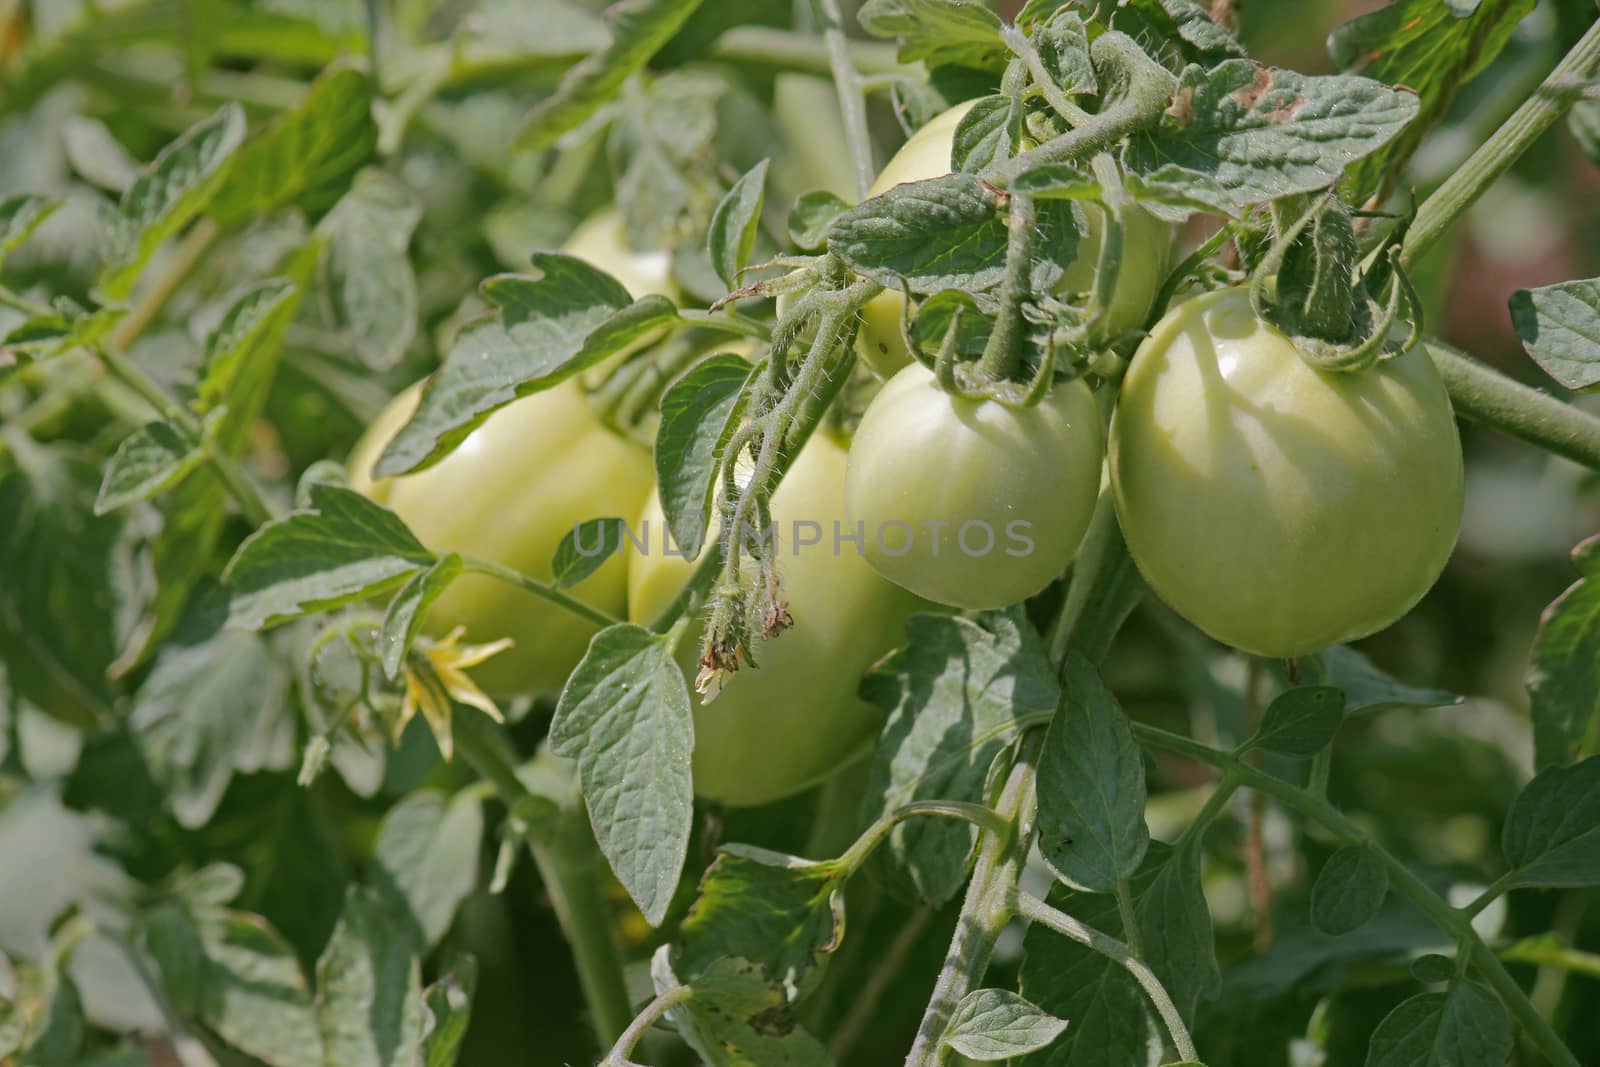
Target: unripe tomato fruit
x,y
1146,243
602,239
1279,508
509,493
796,719
972,502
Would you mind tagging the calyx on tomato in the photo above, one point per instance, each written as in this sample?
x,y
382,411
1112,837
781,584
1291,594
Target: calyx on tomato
x,y
1280,508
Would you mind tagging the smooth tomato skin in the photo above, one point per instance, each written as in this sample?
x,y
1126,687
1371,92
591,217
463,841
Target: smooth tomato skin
x,y
602,239
1146,247
1026,478
1279,508
795,720
509,493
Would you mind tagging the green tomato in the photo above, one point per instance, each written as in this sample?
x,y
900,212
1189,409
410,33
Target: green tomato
x,y
796,719
510,493
1146,244
1279,508
602,239
972,502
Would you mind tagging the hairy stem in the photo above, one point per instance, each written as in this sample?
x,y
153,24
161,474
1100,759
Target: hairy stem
x,y
1483,394
987,908
1448,919
1002,355
1023,49
852,99
1507,144
1032,908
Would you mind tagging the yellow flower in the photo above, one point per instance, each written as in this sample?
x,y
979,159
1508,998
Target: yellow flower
x,y
435,680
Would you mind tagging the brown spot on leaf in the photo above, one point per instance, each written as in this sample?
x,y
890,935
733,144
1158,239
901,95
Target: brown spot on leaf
x,y
1287,112
1182,106
1258,87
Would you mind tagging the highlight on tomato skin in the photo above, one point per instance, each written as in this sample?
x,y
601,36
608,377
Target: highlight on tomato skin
x,y
1280,508
973,503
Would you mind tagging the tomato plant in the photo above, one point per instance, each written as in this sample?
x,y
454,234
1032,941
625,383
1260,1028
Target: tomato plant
x,y
783,726
973,502
779,535
1234,459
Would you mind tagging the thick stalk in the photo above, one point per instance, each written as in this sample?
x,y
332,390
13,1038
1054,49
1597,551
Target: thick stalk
x,y
1496,155
852,100
987,908
1448,919
1484,395
1002,356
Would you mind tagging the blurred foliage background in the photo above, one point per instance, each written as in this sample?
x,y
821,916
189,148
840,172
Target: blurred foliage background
x,y
90,90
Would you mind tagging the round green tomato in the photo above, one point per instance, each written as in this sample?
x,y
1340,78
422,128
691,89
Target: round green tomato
x,y
796,719
971,502
1146,243
510,493
1279,508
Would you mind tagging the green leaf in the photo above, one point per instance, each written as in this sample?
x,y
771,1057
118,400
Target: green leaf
x,y
1349,890
1367,690
638,30
215,703
403,619
342,549
989,132
1063,47
1551,836
369,995
252,329
699,413
810,218
1564,670
1301,721
1178,31
1431,48
1433,967
735,1017
996,1024
624,716
732,234
1261,133
449,1003
150,460
1091,786
942,32
548,328
945,233
1560,327
425,861
20,216
1466,1027
367,284
308,156
781,913
171,191
1583,120
585,550
254,995
953,696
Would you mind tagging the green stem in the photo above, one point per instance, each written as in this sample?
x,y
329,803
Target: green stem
x,y
1226,787
544,590
1130,918
1496,155
852,99
1448,919
1032,908
185,257
1483,394
986,819
1542,952
1147,90
728,321
665,1002
773,49
564,850
1002,356
987,908
1023,48
1490,895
